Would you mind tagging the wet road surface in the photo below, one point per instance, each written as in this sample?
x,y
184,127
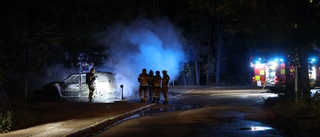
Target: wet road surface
x,y
202,112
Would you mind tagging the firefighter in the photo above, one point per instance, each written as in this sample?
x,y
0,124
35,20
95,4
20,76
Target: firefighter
x,y
156,87
90,79
150,84
143,89
165,85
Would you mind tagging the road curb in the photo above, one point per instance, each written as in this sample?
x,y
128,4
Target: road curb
x,y
104,123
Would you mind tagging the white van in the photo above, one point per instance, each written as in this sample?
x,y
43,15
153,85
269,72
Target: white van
x,y
75,86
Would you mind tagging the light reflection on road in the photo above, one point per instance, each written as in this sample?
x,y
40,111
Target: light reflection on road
x,y
259,128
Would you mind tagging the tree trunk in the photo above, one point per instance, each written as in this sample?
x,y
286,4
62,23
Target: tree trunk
x,y
289,80
219,51
304,82
197,73
209,45
5,103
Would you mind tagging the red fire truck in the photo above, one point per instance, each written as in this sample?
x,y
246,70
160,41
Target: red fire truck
x,y
272,73
266,74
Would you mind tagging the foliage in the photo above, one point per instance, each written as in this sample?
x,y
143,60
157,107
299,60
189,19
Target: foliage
x,y
187,74
23,118
260,21
5,121
302,115
35,34
268,24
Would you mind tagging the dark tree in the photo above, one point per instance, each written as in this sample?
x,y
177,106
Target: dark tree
x,y
294,24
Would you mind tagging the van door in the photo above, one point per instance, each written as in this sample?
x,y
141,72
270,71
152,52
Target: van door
x,y
84,89
71,86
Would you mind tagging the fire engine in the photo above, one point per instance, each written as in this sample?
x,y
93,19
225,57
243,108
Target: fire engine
x,y
273,73
266,74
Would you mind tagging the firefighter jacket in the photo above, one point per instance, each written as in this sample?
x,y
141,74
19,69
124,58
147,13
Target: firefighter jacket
x,y
90,78
165,81
157,81
150,81
143,79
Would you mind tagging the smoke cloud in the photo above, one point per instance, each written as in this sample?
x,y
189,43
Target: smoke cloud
x,y
152,44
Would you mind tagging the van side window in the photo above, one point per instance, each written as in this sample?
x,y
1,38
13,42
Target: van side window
x,y
73,80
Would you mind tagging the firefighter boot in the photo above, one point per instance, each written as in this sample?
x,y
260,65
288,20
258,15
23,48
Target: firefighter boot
x,y
90,96
165,101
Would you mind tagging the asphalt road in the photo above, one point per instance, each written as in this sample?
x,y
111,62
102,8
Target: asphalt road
x,y
201,113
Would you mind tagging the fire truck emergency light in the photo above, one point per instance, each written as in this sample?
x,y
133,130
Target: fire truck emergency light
x,y
312,60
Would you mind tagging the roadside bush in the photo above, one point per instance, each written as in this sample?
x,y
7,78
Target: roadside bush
x,y
23,118
5,121
303,115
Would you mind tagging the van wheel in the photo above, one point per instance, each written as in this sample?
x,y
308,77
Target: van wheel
x,y
53,93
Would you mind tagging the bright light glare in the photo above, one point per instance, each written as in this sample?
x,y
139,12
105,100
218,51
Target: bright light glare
x,y
278,60
258,128
313,60
275,64
260,65
104,91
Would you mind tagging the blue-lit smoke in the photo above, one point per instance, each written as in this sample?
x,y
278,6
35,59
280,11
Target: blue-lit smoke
x,y
151,44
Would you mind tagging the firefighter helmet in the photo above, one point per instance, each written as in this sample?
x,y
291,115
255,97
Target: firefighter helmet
x,y
92,70
151,73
